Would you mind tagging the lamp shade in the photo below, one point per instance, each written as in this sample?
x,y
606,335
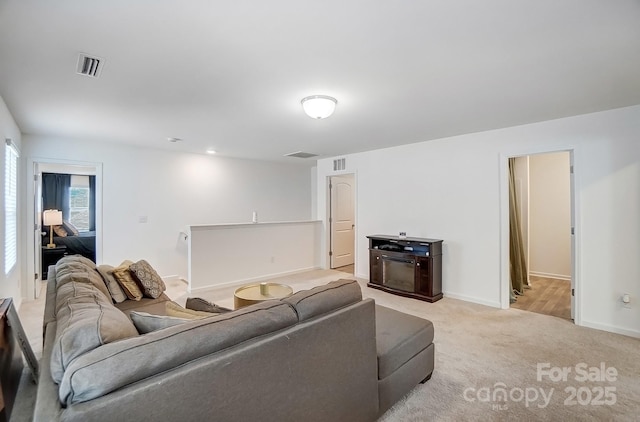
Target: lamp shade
x,y
319,106
52,218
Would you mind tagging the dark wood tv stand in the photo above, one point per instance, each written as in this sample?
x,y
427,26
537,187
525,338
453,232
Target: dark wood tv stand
x,y
410,267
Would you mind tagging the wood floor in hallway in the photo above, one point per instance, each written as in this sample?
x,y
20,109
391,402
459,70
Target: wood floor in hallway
x,y
548,296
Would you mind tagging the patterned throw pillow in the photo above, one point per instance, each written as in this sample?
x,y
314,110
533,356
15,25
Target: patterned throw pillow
x,y
124,277
152,284
199,304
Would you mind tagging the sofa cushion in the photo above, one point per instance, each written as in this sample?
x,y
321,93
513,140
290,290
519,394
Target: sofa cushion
x,y
85,321
127,281
72,290
146,304
133,359
76,258
147,323
152,284
399,337
322,299
116,292
78,271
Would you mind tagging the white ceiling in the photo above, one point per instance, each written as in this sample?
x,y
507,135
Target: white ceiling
x,y
231,74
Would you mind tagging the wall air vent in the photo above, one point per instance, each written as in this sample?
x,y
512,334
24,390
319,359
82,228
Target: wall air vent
x,y
339,164
89,66
301,154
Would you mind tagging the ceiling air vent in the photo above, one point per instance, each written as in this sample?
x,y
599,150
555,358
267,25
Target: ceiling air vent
x,y
301,154
339,164
89,66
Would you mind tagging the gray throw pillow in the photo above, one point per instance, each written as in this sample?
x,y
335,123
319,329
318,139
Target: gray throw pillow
x,y
146,323
116,292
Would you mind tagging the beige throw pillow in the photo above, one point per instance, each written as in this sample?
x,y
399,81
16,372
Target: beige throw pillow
x,y
175,310
124,277
152,284
70,228
59,231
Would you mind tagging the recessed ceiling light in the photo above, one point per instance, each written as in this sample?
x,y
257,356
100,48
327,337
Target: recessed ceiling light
x,y
174,140
211,151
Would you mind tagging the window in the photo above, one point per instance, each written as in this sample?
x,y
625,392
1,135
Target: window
x,y
10,207
79,194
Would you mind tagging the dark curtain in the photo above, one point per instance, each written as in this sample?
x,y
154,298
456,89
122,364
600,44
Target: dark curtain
x,y
92,203
55,193
518,264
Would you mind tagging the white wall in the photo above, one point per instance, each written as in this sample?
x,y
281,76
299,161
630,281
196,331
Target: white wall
x,y
11,283
550,206
174,190
452,189
233,254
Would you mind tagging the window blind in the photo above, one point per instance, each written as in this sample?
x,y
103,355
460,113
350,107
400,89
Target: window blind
x,y
10,207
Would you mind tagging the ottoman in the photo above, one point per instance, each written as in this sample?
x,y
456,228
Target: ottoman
x,y
405,354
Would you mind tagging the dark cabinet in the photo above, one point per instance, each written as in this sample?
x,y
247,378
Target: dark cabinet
x,y
50,256
375,267
409,267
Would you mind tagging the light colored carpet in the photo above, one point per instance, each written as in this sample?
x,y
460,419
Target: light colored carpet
x,y
478,350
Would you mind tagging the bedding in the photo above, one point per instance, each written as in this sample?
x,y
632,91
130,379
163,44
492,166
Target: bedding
x,y
83,244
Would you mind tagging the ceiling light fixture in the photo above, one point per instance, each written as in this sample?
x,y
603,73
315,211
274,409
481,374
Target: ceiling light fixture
x,y
319,106
211,151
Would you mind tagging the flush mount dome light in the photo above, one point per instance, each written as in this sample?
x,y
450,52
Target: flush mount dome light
x,y
319,106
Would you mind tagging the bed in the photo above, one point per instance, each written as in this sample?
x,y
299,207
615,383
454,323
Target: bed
x,y
84,243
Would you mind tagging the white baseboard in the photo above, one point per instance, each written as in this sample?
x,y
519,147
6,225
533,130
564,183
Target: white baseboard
x,y
472,299
250,280
611,329
171,277
550,275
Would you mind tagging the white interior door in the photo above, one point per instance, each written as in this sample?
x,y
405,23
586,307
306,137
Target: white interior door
x,y
342,220
37,235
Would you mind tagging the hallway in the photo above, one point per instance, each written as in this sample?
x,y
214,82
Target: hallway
x,y
548,296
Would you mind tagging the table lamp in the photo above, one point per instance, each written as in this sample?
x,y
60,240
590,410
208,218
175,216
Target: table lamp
x,y
51,218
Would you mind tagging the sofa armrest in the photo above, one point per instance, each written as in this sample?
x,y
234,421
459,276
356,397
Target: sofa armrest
x,y
133,359
50,304
47,406
319,370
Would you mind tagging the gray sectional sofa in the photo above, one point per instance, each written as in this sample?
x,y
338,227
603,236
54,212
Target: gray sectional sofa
x,y
323,354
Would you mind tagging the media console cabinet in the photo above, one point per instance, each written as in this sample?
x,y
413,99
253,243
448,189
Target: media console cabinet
x,y
409,266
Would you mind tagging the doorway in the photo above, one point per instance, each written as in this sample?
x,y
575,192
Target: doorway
x,y
543,188
88,241
342,223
